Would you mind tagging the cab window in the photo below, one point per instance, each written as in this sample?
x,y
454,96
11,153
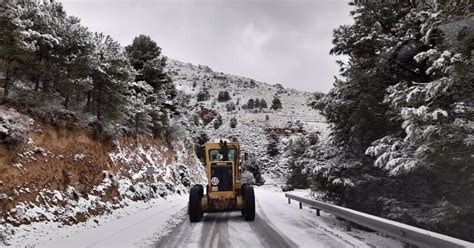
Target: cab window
x,y
216,155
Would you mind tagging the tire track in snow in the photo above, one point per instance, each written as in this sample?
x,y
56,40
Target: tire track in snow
x,y
130,226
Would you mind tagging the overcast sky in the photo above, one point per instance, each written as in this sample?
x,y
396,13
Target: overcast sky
x,y
274,41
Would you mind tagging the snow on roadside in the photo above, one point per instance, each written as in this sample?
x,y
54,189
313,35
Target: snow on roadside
x,y
306,229
134,225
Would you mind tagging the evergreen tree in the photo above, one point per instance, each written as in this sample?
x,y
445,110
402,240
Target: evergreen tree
x,y
253,166
406,76
203,95
218,122
76,51
250,103
257,103
142,50
263,104
11,39
111,73
145,57
233,122
276,103
273,143
230,106
297,178
223,96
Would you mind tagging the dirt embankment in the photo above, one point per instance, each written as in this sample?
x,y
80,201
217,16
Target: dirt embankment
x,y
66,175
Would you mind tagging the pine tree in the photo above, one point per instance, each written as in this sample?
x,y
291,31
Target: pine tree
x,y
297,178
263,104
145,57
250,103
11,39
276,103
257,103
218,122
393,114
253,166
223,96
273,143
111,72
233,122
203,95
76,51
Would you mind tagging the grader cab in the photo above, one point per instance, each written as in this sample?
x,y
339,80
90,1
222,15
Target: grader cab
x,y
224,192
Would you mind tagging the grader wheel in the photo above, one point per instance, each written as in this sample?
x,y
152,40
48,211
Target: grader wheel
x,y
195,195
249,202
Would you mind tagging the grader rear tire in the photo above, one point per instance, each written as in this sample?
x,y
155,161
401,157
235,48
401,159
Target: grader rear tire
x,y
195,211
249,202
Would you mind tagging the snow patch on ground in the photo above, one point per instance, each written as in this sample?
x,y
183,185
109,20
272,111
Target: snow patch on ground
x,y
306,229
130,226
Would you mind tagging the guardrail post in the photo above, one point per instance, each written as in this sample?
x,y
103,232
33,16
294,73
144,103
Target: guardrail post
x,y
317,212
348,226
289,200
301,205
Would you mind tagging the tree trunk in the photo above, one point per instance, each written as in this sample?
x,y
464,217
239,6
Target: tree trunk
x,y
99,102
37,83
67,91
7,85
66,101
136,127
88,104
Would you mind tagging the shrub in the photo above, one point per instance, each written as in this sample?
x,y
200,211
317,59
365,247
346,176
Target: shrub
x,y
218,122
233,122
223,96
203,95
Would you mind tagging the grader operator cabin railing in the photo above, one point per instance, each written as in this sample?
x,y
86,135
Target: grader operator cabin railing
x,y
405,233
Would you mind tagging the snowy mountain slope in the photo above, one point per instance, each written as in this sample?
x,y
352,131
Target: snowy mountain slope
x,y
66,176
253,125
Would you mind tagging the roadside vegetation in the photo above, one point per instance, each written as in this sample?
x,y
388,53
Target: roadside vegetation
x,y
401,116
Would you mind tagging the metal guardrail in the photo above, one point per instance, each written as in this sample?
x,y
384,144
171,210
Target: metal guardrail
x,y
408,234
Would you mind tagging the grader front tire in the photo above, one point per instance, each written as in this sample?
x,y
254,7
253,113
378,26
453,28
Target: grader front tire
x,y
195,211
249,203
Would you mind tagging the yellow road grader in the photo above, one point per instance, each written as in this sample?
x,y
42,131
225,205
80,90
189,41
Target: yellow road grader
x,y
224,192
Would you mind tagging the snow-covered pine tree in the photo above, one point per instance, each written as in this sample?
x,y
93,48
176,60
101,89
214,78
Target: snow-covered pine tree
x,y
233,122
250,103
145,57
12,44
257,103
253,166
111,74
218,122
273,143
405,99
276,103
223,96
296,165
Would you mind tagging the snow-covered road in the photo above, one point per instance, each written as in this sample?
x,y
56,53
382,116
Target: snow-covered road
x,y
277,224
164,223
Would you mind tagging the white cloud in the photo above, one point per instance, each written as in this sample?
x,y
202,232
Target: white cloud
x,y
277,41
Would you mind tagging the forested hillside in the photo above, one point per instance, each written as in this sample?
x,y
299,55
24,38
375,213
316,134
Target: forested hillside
x,y
402,115
86,125
50,59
